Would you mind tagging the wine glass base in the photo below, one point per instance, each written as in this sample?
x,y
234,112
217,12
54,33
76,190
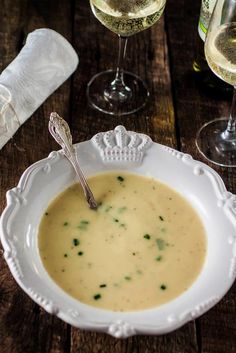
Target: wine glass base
x,y
101,97
212,145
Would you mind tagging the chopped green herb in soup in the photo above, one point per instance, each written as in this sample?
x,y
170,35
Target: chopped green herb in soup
x,y
142,247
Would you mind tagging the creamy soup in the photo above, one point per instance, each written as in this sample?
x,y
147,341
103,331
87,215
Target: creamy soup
x,y
142,247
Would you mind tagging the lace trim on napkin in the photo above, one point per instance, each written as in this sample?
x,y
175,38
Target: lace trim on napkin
x,y
9,121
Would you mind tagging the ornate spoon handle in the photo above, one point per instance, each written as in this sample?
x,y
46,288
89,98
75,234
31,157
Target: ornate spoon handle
x,y
60,131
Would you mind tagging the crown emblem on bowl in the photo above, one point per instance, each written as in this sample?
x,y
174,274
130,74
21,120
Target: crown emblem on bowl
x,y
120,145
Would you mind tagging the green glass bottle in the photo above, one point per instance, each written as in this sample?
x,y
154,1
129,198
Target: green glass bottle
x,y
206,79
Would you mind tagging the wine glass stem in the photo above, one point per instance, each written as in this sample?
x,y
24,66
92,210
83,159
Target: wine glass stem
x,y
231,123
119,79
117,91
230,133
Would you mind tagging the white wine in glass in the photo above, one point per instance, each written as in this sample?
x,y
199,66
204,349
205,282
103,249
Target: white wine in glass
x,y
118,92
221,53
216,140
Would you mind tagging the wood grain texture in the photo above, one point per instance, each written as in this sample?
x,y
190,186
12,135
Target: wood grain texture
x,y
24,327
147,56
162,56
194,107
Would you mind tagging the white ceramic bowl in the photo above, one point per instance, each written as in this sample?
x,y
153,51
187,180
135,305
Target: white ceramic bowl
x,y
117,150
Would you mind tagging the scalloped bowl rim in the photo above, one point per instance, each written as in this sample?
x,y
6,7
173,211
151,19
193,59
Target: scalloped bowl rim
x,y
197,182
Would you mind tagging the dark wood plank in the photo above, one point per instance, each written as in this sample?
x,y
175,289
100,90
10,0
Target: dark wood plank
x,y
11,29
10,37
181,341
147,56
194,107
24,326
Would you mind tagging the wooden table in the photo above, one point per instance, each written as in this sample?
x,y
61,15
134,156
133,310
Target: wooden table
x,y
163,56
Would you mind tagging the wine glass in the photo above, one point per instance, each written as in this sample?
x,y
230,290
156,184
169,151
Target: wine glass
x,y
118,92
216,140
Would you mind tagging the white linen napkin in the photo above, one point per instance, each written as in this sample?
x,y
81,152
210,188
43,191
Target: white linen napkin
x,y
44,63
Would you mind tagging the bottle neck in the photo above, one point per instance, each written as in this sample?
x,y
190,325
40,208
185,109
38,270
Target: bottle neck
x,y
207,8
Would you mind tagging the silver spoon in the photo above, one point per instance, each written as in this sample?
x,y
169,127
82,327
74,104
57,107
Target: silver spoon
x,y
60,131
